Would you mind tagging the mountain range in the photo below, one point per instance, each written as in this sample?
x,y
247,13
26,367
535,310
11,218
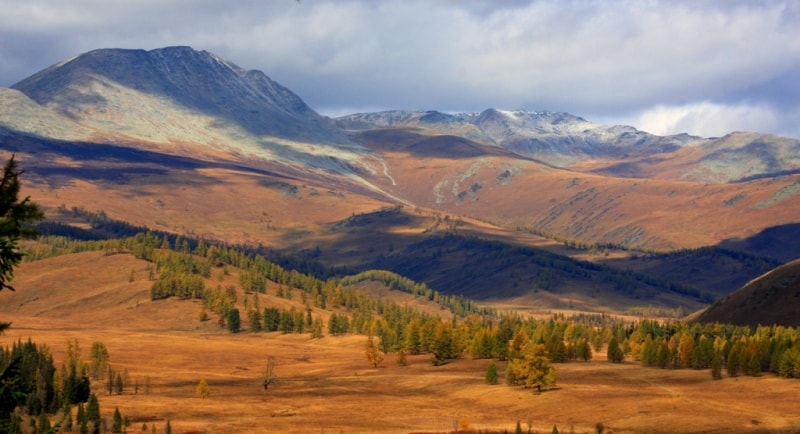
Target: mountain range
x,y
181,140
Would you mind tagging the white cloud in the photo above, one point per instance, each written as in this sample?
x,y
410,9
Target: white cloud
x,y
707,119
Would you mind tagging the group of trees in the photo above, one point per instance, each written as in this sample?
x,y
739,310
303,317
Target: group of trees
x,y
31,385
740,350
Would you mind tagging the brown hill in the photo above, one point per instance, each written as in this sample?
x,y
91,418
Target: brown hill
x,y
773,298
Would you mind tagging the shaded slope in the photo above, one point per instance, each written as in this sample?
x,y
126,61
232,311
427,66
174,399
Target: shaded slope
x,y
773,298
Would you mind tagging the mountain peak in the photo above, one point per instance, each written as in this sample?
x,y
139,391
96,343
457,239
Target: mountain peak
x,y
161,95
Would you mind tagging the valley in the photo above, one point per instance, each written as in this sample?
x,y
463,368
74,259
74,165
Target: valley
x,y
324,384
179,190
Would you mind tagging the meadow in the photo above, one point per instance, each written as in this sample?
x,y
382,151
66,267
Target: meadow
x,y
326,385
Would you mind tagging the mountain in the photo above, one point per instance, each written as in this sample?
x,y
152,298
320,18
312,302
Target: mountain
x,y
772,298
181,100
565,140
182,141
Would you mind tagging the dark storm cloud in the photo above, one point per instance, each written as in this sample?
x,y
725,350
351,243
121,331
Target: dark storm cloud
x,y
664,66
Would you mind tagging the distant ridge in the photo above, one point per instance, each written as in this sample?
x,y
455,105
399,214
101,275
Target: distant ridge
x,y
566,140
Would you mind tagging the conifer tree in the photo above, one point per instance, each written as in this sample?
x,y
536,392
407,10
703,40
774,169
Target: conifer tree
x,y
202,390
234,321
116,425
716,366
93,413
14,215
373,353
491,373
614,353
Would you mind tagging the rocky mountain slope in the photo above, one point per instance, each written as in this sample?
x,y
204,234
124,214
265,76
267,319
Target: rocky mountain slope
x,y
182,101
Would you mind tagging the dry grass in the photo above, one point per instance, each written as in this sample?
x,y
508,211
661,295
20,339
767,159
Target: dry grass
x,y
327,386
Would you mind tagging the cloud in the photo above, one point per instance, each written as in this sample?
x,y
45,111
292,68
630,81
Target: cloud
x,y
596,59
708,119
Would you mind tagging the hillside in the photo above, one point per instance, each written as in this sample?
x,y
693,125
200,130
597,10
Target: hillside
x,y
773,298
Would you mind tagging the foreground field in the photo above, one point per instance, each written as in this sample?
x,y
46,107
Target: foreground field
x,y
326,385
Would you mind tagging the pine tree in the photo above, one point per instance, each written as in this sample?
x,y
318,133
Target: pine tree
x,y
99,359
234,321
402,357
491,374
202,390
119,385
83,421
614,353
43,423
373,353
716,366
14,214
531,368
93,413
116,425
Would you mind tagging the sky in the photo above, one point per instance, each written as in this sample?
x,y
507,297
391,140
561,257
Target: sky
x,y
702,67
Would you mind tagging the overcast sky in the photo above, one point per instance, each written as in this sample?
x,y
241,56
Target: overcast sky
x,y
698,66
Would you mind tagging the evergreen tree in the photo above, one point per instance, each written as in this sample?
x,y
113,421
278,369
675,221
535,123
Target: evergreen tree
x,y
614,353
234,321
93,413
402,357
584,350
99,359
119,385
15,214
116,425
531,368
716,366
491,374
316,328
202,390
373,353
66,419
43,423
83,421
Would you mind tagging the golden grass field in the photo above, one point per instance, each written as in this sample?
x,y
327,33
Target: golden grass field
x,y
327,386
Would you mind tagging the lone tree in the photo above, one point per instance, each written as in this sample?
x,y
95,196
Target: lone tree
x,y
202,390
14,215
269,373
373,353
531,368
